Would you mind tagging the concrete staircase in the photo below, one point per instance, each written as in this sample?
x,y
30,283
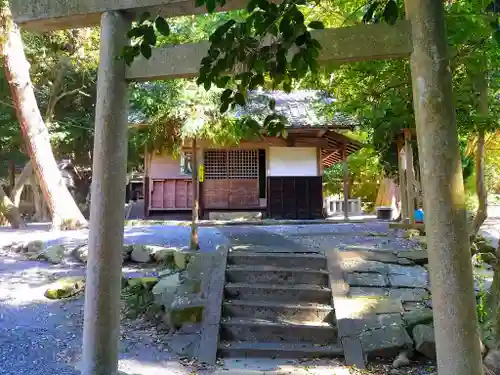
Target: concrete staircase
x,y
277,305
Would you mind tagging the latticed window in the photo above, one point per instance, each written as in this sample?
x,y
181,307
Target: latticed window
x,y
232,164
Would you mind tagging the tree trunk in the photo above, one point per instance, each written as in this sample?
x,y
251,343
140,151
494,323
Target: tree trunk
x,y
9,211
194,245
482,194
37,200
22,180
65,213
454,302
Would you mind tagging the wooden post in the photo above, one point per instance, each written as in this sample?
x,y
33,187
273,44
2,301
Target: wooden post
x,y
410,176
453,298
346,182
402,180
101,328
196,197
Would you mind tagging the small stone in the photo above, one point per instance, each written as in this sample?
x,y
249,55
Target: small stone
x,y
365,306
54,254
424,340
417,256
164,291
401,360
405,276
164,254
409,294
82,253
418,316
65,288
145,282
34,246
141,253
410,233
386,342
368,292
366,279
492,361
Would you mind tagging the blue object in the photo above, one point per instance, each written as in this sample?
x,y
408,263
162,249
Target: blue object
x,y
419,216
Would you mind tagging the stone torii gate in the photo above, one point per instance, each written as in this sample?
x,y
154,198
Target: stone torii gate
x,y
422,37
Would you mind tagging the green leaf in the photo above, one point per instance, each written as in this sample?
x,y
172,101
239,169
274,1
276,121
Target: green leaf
x,y
226,94
316,44
162,26
240,99
146,50
316,25
391,12
224,106
252,4
211,5
207,85
135,32
223,81
149,35
272,104
144,17
496,35
368,16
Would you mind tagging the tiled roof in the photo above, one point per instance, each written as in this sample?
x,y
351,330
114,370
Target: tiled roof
x,y
302,109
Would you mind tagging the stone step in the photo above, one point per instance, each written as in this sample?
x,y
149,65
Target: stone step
x,y
262,330
308,312
312,261
278,350
275,275
279,293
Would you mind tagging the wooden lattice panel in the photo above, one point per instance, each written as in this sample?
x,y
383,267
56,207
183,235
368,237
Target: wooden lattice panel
x,y
216,167
231,165
243,164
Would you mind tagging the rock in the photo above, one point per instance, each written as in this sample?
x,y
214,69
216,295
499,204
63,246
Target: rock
x,y
487,258
145,282
417,256
355,264
368,292
181,259
54,254
164,291
141,253
492,361
186,310
401,360
371,322
183,345
65,288
81,253
366,279
363,307
34,247
126,251
410,233
385,342
416,317
409,294
406,276
486,371
424,340
164,254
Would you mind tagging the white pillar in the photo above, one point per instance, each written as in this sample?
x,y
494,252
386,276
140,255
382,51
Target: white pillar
x,y
107,210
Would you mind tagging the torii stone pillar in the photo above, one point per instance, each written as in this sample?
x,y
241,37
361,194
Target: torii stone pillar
x,y
107,209
455,320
